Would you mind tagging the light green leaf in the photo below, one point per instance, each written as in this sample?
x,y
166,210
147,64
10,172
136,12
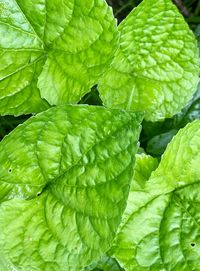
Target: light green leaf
x,y
4,267
66,45
145,165
156,68
162,226
64,181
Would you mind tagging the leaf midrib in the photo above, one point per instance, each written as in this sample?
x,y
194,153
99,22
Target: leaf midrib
x,y
53,182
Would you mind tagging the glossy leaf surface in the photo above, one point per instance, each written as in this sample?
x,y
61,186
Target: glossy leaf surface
x,y
156,68
64,182
53,49
161,227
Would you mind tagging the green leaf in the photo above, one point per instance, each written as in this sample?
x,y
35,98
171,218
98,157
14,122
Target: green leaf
x,y
156,68
157,144
162,226
106,263
145,165
64,181
157,135
2,265
62,47
193,112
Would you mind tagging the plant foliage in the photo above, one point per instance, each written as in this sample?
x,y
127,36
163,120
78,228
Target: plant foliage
x,y
53,49
76,193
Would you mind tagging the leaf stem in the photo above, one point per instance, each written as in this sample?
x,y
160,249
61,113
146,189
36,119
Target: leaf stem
x,y
182,8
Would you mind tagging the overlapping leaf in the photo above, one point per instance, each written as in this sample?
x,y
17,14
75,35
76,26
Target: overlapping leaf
x,y
64,182
106,263
161,229
145,164
66,44
157,135
156,68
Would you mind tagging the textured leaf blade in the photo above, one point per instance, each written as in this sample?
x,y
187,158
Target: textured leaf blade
x,y
75,41
18,89
161,230
79,160
180,160
157,65
21,62
80,53
145,165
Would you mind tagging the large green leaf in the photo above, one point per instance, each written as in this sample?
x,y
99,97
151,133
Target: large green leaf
x,y
145,164
156,68
64,181
161,230
66,44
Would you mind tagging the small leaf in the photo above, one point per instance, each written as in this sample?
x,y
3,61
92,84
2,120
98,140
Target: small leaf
x,y
161,230
106,263
145,165
156,68
157,144
62,47
64,181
